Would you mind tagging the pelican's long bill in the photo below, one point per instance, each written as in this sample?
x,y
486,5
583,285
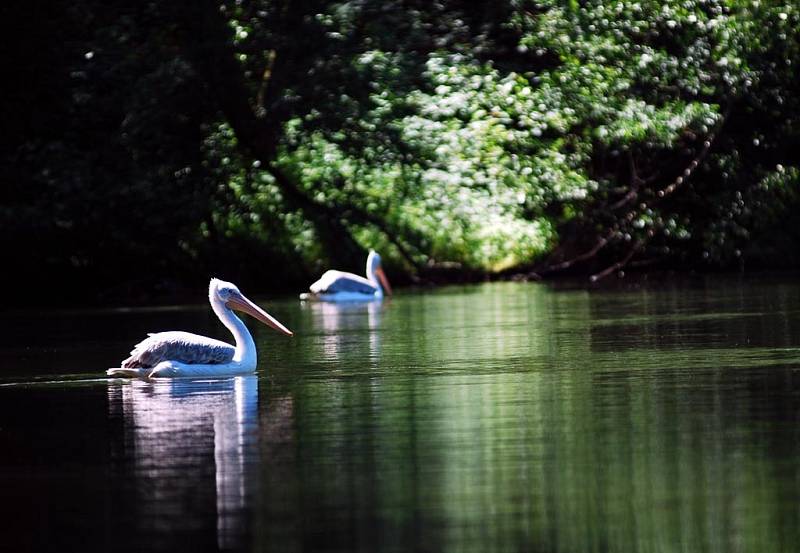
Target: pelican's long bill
x,y
384,281
241,303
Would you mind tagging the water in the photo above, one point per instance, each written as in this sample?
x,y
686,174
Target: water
x,y
500,417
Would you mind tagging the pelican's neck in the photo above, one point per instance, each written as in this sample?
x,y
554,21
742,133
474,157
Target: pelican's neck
x,y
372,277
245,346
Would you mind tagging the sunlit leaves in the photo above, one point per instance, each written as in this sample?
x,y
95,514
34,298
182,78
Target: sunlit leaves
x,y
466,134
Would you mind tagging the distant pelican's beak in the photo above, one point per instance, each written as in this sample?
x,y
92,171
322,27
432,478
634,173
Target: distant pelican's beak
x,y
384,280
241,303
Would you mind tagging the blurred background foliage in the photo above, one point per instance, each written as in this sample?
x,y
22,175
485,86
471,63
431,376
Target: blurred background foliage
x,y
148,145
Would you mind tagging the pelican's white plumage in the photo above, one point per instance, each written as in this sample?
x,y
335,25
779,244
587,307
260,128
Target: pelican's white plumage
x,y
342,286
177,353
179,346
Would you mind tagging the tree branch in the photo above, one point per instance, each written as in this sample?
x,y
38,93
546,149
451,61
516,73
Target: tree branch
x,y
632,214
619,264
601,242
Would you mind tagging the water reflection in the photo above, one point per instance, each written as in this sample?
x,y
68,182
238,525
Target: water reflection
x,y
490,418
193,446
350,328
510,418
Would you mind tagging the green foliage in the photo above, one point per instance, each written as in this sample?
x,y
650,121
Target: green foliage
x,y
443,134
644,86
465,190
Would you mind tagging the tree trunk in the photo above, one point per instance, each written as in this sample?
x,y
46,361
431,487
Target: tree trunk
x,y
207,40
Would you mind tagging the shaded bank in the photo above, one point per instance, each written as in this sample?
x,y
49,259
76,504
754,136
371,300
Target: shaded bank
x,y
463,144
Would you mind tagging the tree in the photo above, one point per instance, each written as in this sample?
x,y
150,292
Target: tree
x,y
150,145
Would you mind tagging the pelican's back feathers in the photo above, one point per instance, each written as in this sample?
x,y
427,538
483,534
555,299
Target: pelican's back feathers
x,y
339,281
178,346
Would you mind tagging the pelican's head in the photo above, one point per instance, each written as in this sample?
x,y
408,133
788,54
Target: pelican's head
x,y
374,268
228,294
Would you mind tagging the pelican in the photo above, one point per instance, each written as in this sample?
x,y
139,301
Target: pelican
x,y
178,353
342,286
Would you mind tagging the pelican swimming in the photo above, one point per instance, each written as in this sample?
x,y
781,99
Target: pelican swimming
x,y
341,286
178,353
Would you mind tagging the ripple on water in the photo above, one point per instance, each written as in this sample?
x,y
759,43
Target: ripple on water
x,y
499,417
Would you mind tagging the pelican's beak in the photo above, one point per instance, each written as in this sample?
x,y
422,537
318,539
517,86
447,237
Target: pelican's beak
x,y
241,303
384,281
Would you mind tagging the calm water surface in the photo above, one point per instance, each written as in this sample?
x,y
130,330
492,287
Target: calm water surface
x,y
500,417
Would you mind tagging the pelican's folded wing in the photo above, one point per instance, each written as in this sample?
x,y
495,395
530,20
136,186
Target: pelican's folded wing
x,y
338,281
178,346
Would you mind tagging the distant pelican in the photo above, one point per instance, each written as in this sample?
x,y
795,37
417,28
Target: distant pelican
x,y
178,353
341,286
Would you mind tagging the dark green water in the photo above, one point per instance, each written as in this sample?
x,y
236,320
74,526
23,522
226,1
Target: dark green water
x,y
501,417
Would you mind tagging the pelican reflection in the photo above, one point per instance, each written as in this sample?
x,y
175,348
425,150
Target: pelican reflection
x,y
193,449
348,327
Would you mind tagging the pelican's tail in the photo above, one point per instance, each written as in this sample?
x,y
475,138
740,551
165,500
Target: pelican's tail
x,y
309,296
130,373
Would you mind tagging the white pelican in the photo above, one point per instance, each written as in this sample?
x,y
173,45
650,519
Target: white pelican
x,y
342,286
178,353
